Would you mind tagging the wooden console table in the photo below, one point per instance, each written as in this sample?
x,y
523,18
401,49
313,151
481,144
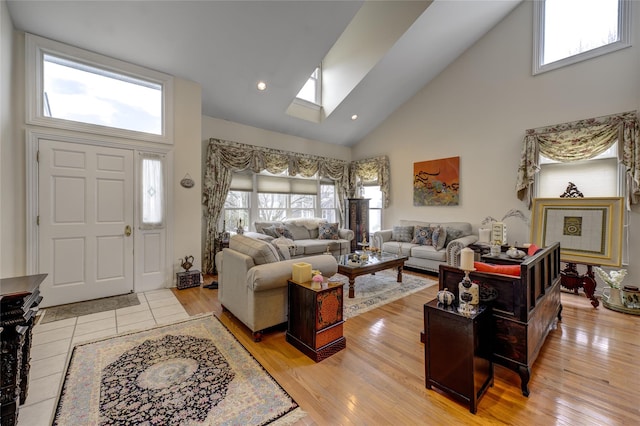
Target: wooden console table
x,y
19,300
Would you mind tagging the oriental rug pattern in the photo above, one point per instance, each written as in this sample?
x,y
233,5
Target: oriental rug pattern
x,y
373,291
190,373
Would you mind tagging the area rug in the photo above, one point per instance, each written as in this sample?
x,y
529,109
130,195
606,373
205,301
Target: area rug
x,y
57,313
193,372
373,291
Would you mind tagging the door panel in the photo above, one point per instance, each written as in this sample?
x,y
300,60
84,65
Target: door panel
x,y
85,201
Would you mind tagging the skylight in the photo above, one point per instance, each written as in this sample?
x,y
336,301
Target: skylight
x,y
310,92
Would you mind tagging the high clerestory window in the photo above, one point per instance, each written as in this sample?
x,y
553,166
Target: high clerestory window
x,y
570,31
77,90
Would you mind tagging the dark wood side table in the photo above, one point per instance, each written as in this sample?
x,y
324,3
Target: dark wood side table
x,y
458,352
315,319
19,300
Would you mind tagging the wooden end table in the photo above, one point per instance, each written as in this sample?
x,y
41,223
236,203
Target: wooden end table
x,y
315,318
458,352
374,264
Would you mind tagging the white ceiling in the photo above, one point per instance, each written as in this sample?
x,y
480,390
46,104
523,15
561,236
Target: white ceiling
x,y
227,46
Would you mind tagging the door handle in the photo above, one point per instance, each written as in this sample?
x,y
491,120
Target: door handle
x,y
127,230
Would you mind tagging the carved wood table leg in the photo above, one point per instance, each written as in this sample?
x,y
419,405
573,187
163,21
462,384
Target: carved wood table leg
x,y
400,273
525,375
352,287
589,285
560,313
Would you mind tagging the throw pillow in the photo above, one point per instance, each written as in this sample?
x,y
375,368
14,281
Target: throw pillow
x,y
533,249
283,231
423,235
271,231
402,233
454,234
439,237
328,231
512,270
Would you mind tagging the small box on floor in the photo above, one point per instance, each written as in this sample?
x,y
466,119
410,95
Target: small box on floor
x,y
187,279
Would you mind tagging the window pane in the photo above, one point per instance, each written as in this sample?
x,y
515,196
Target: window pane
x,y
272,201
152,203
78,92
375,220
330,215
327,196
234,217
594,178
375,195
272,214
303,201
302,213
237,199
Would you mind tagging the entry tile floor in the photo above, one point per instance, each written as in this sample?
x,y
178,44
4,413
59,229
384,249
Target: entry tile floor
x,y
52,343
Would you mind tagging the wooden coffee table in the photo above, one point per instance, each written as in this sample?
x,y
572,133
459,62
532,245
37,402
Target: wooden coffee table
x,y
374,264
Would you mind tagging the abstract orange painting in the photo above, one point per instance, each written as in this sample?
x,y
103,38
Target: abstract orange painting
x,y
436,182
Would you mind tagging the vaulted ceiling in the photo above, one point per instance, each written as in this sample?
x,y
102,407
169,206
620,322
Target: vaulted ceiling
x,y
228,46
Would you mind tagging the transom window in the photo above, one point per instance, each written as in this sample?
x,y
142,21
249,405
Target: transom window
x,y
78,90
87,94
570,31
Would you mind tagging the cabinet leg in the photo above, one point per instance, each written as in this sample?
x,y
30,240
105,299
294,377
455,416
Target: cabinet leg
x,y
589,285
257,336
525,375
560,313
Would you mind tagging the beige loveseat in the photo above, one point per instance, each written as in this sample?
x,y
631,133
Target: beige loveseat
x,y
424,253
252,282
305,234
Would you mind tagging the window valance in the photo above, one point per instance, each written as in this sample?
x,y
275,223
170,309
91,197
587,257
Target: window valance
x,y
581,140
374,171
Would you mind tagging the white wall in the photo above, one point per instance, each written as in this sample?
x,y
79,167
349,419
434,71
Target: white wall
x,y
11,246
231,131
186,159
479,109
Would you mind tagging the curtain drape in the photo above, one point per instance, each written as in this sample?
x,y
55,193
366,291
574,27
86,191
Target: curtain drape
x,y
371,171
225,157
581,140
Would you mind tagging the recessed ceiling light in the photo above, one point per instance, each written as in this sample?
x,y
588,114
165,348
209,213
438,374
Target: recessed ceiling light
x,y
262,86
354,117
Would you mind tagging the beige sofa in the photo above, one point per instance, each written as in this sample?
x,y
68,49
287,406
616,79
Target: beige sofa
x,y
425,256
252,282
305,235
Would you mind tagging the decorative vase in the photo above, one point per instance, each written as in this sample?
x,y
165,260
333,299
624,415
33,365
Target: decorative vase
x,y
445,297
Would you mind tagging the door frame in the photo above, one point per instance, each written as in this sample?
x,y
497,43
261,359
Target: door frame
x,y
31,191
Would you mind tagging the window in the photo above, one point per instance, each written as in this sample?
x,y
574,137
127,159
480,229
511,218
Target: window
x,y
236,210
152,193
268,197
597,177
78,92
375,207
570,31
283,197
74,89
311,90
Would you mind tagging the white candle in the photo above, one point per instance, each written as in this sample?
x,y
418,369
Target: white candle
x,y
485,234
466,259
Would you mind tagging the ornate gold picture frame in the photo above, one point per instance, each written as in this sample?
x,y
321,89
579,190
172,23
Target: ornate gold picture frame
x,y
589,229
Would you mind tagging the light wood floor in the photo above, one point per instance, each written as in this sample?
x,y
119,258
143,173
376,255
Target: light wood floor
x,y
588,372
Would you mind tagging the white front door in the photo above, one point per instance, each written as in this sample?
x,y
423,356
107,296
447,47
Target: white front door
x,y
85,200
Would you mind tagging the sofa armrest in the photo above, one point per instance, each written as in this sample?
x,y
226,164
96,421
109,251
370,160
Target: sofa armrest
x,y
346,234
380,237
276,274
454,247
